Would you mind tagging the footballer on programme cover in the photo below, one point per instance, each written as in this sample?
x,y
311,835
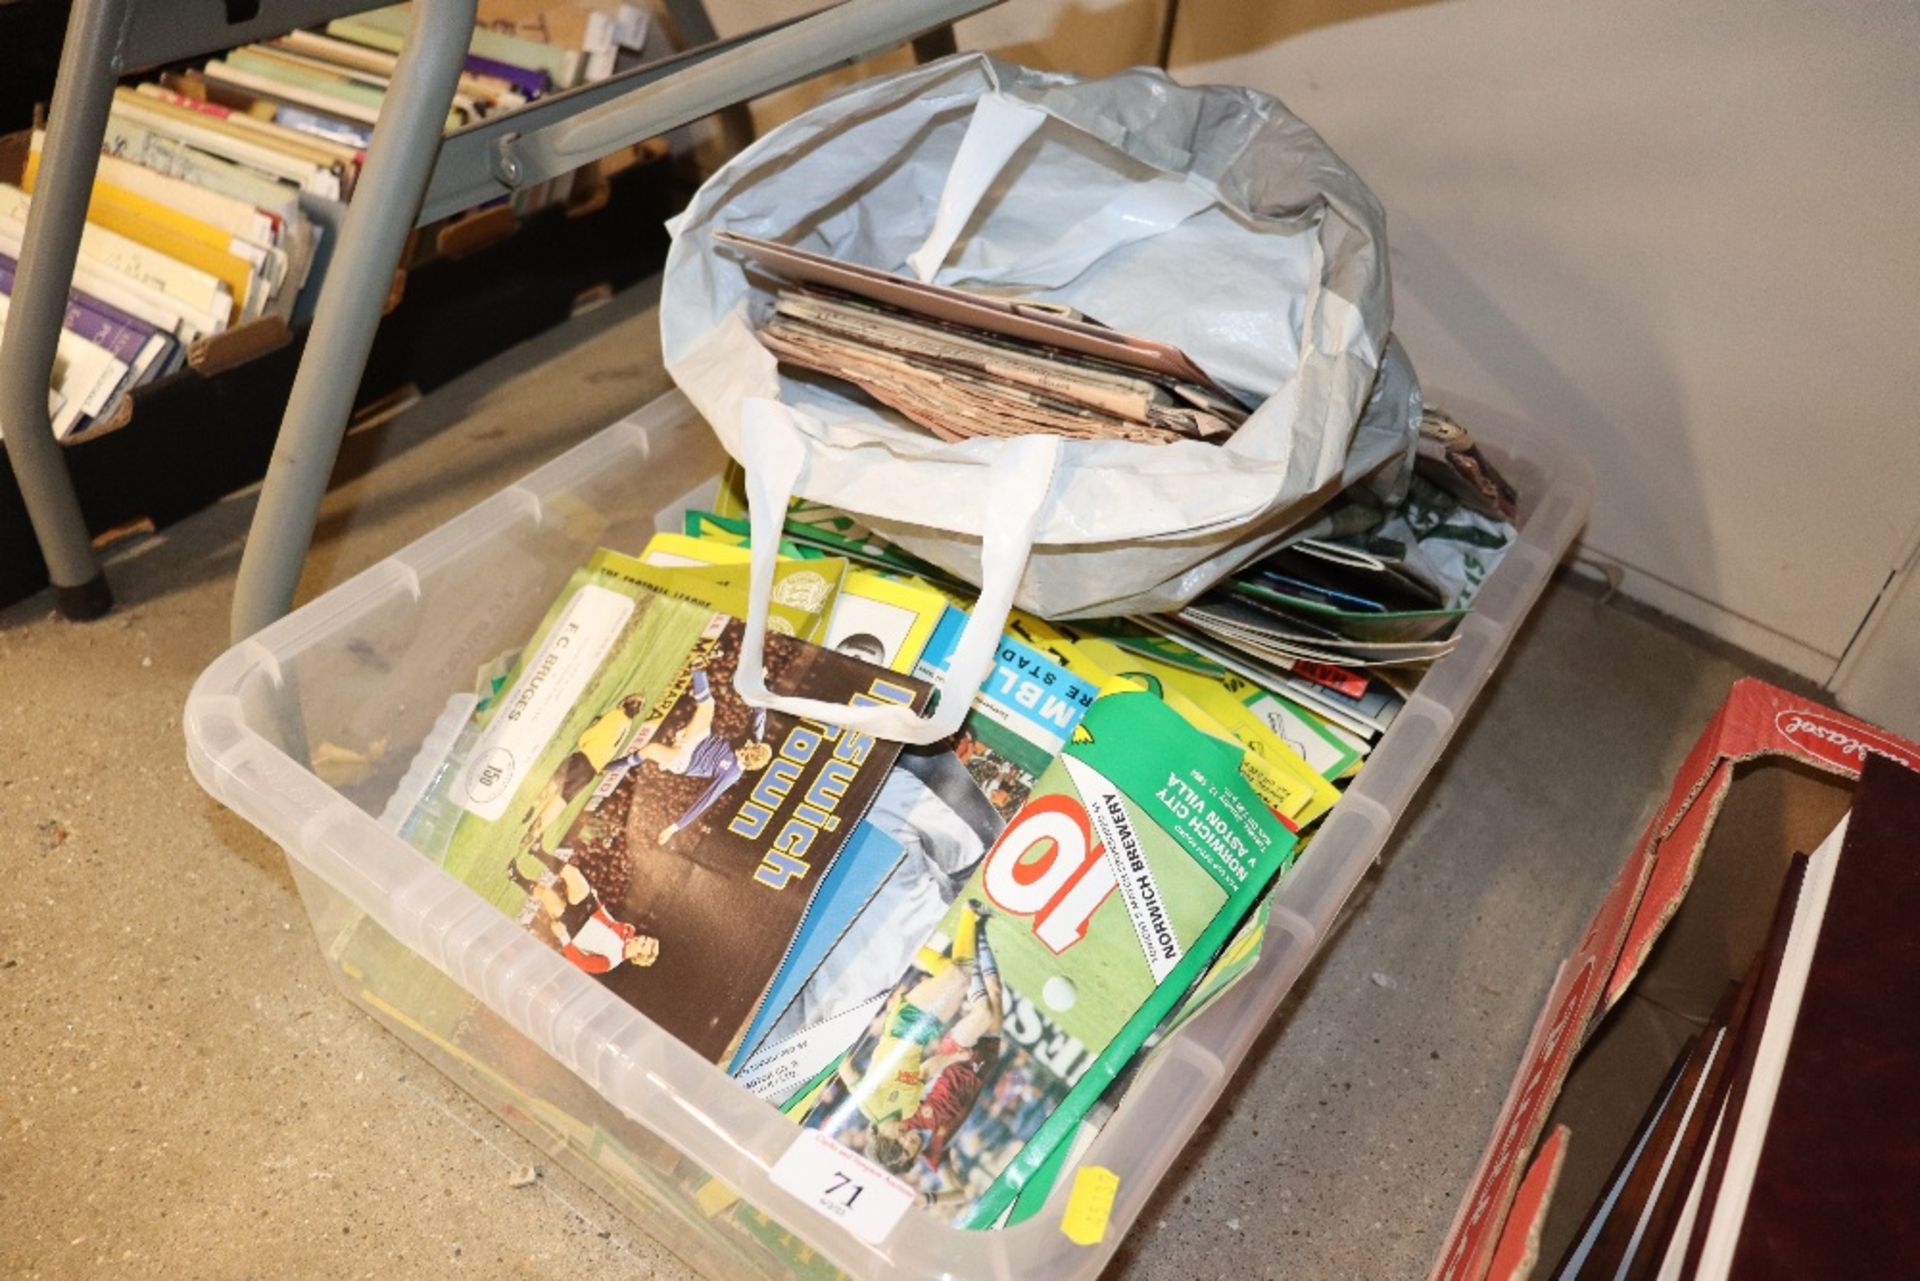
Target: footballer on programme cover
x,y
652,828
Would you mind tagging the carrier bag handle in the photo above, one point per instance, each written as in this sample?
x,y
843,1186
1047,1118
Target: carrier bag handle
x,y
1017,485
1000,126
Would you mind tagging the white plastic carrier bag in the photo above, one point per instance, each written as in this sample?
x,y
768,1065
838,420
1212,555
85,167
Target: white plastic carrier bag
x,y
1210,218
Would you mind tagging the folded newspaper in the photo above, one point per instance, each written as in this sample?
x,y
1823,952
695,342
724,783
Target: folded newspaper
x,y
959,384
1140,851
964,364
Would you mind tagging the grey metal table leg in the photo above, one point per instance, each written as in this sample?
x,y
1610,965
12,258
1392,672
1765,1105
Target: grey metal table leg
x,y
82,97
694,26
935,45
406,141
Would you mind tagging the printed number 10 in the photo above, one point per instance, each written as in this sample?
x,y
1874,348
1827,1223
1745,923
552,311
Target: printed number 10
x,y
842,1180
1047,865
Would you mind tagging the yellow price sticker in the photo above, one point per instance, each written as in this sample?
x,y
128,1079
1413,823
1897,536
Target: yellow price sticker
x,y
714,1196
1089,1205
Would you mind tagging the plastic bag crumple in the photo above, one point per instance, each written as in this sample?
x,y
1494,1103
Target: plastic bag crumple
x,y
1207,217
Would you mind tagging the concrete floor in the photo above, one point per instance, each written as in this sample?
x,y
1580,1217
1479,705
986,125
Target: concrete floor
x,y
183,1093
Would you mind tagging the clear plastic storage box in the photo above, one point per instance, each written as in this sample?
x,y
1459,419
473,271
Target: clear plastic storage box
x,y
663,1134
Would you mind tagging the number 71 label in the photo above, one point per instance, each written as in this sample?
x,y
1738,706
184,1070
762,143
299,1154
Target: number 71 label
x,y
843,1185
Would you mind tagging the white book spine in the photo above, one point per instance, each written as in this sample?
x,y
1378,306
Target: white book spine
x,y
1729,1210
311,175
130,296
196,291
219,70
232,216
140,146
86,378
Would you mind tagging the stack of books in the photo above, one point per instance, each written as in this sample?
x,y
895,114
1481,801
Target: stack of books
x,y
221,187
1784,1140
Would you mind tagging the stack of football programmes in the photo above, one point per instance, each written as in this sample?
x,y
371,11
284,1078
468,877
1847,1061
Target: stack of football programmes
x,y
948,960
1105,898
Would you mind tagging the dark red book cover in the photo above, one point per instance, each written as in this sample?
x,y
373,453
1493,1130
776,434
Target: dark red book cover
x,y
1838,1182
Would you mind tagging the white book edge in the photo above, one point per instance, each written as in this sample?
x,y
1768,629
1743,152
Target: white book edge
x,y
300,95
151,351
1776,1038
86,377
199,290
1676,1255
120,290
236,217
310,175
365,78
600,64
345,53
135,143
1641,1224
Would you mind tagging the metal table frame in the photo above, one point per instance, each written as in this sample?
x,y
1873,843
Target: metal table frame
x,y
411,176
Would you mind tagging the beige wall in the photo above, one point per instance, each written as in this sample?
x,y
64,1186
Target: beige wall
x,y
1881,678
1089,37
1685,236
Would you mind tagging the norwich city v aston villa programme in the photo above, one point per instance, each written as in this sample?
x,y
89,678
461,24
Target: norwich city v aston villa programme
x,y
1106,897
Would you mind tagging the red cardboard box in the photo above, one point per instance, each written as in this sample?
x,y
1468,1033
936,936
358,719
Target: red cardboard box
x,y
1772,773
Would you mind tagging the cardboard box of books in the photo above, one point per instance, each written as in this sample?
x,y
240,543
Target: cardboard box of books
x,y
219,194
1686,940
